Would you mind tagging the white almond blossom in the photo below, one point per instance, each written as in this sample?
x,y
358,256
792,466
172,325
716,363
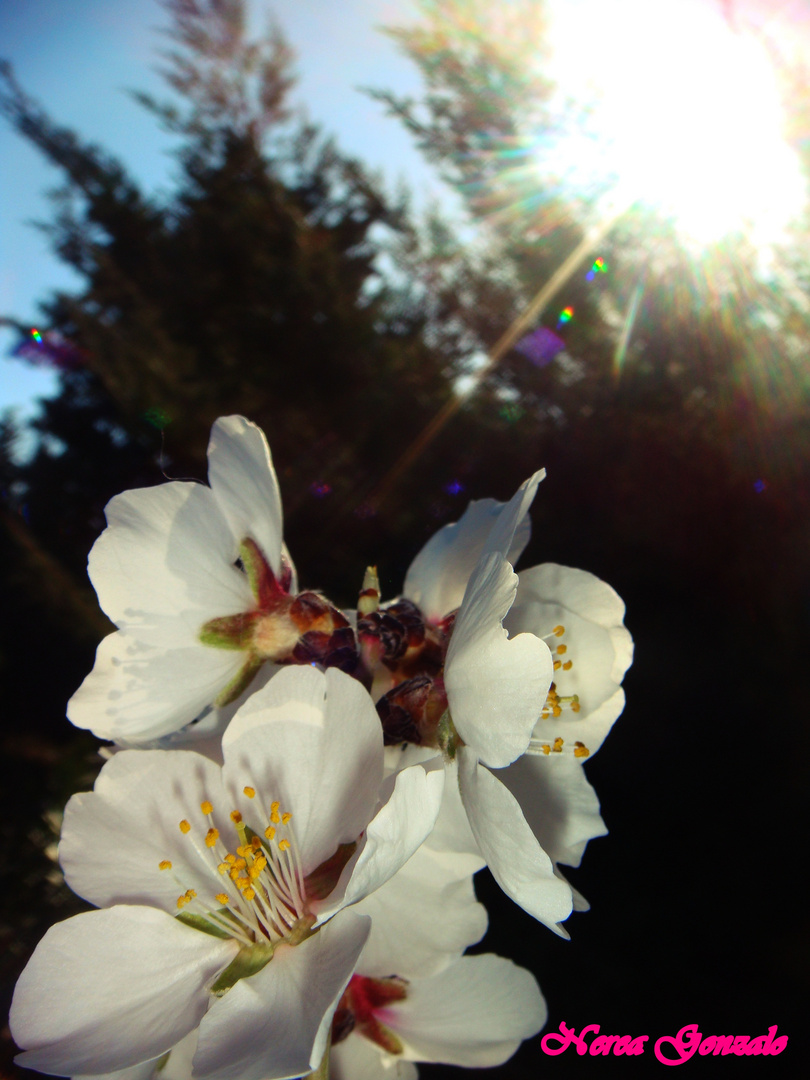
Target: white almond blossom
x,y
223,891
474,1013
197,580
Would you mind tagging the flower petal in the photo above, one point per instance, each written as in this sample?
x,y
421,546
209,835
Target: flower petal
x,y
438,576
474,1013
597,642
311,740
167,552
137,692
508,530
516,860
422,919
559,804
243,480
115,837
357,1058
396,831
496,685
275,1024
110,989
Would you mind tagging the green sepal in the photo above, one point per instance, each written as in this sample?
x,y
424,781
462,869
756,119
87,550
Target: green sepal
x,y
247,962
447,737
229,631
200,922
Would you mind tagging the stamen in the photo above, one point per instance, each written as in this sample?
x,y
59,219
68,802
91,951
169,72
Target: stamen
x,y
223,898
206,807
250,792
269,832
211,837
275,817
558,631
568,665
236,817
286,818
164,864
185,827
561,649
580,749
283,845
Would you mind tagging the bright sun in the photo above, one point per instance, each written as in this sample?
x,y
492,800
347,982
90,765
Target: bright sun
x,y
684,115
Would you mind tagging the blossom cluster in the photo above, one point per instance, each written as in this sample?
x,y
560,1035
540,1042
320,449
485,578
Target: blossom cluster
x,y
281,843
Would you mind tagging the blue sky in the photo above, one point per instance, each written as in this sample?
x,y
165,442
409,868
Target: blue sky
x,y
79,57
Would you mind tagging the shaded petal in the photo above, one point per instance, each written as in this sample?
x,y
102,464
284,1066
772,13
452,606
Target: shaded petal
x,y
137,692
110,989
396,831
176,1067
558,802
313,741
275,1023
357,1058
496,685
475,1013
422,919
167,551
515,859
244,484
438,576
115,837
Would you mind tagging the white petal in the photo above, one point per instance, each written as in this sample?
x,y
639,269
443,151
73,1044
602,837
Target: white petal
x,y
598,644
115,837
452,837
422,919
110,989
438,576
475,1013
313,741
167,552
275,1023
496,685
559,804
507,528
137,692
357,1058
396,831
516,860
243,480
176,1067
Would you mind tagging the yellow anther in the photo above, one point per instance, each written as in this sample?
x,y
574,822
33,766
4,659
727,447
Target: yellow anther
x,y
557,711
233,873
283,845
190,894
269,832
244,850
239,864
182,901
568,665
249,894
286,818
580,749
236,817
206,807
254,872
545,714
230,858
185,827
223,868
558,631
260,863
250,792
575,706
222,897
557,745
275,817
255,843
562,649
557,665
211,837
545,748
164,864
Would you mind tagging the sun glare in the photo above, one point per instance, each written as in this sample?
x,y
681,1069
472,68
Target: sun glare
x,y
682,112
